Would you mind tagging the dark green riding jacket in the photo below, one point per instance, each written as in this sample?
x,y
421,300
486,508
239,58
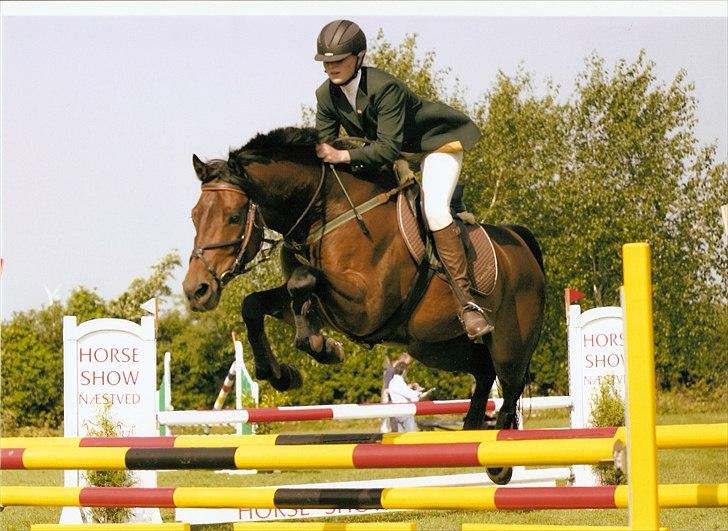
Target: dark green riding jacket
x,y
392,116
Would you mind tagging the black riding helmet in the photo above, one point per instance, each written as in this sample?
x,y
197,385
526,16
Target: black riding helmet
x,y
338,40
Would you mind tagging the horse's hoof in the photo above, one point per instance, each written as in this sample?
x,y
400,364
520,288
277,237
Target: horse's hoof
x,y
331,353
290,379
500,476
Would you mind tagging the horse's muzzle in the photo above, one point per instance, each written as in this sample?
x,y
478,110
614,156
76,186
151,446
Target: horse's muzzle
x,y
201,295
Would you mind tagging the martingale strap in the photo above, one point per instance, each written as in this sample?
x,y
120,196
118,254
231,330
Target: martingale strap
x,y
347,216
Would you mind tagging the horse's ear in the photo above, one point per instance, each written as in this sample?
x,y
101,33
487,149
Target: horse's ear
x,y
234,166
200,168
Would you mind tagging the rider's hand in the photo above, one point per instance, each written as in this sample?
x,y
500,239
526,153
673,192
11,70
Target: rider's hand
x,y
330,154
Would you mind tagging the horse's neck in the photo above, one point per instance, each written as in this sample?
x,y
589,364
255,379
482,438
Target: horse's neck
x,y
304,185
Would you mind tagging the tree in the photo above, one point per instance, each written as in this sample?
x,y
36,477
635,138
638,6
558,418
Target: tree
x,y
636,172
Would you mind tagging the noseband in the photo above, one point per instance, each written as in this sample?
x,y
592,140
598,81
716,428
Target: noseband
x,y
243,239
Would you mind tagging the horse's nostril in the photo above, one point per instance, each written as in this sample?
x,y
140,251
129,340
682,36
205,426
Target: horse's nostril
x,y
201,291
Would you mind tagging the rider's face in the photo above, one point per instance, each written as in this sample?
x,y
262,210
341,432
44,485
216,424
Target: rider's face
x,y
341,71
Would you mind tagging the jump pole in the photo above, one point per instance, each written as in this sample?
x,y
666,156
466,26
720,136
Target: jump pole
x,y
306,457
537,527
345,411
668,437
644,511
414,498
224,390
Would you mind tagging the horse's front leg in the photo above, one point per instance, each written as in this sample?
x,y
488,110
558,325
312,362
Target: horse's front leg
x,y
301,286
273,302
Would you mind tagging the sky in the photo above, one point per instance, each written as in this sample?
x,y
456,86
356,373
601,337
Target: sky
x,y
103,105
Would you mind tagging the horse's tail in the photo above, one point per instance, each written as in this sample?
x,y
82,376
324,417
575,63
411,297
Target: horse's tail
x,y
532,243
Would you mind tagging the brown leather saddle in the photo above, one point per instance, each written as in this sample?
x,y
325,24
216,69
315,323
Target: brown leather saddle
x,y
482,261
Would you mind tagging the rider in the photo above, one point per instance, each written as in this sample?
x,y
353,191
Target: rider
x,y
369,102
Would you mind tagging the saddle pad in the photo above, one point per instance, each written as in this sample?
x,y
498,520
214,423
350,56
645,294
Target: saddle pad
x,y
482,262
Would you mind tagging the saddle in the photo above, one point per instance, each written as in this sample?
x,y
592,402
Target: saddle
x,y
482,261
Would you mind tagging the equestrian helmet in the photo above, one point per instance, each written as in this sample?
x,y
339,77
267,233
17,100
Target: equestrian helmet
x,y
338,40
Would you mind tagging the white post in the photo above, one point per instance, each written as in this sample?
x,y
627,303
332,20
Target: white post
x,y
165,401
243,382
167,381
238,386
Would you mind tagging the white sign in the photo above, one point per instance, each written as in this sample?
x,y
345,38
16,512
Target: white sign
x,y
109,363
596,350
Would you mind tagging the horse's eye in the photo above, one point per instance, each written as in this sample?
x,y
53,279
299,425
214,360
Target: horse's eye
x,y
235,219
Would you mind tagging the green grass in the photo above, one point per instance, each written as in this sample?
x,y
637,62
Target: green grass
x,y
675,466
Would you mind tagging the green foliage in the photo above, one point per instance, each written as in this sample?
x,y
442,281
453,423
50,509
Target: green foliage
x,y
608,410
402,62
32,369
105,426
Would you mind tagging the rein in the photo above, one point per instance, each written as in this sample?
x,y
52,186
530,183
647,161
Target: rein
x,y
243,239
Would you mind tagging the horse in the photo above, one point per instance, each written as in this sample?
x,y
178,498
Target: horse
x,y
356,276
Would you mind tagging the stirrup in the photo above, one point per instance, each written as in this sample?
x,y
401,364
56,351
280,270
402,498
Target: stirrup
x,y
472,306
486,327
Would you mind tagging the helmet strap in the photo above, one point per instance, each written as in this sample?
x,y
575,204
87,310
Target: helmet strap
x,y
359,63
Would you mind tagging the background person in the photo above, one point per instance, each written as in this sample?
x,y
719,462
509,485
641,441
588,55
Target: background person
x,y
388,366
401,393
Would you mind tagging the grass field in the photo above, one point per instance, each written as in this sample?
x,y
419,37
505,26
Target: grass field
x,y
675,466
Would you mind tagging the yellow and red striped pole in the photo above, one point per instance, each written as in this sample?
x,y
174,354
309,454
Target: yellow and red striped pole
x,y
415,498
668,437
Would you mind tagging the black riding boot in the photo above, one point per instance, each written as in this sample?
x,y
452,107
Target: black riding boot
x,y
474,319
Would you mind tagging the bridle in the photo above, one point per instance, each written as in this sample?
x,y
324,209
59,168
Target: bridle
x,y
243,239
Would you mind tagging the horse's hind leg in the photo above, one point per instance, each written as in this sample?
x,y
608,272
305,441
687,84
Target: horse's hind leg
x,y
323,349
256,306
462,355
484,374
512,379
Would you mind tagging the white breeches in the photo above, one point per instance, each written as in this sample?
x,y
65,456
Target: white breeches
x,y
440,174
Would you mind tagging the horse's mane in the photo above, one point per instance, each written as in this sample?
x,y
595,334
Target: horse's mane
x,y
289,144
295,144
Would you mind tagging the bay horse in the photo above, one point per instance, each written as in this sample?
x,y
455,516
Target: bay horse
x,y
356,277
